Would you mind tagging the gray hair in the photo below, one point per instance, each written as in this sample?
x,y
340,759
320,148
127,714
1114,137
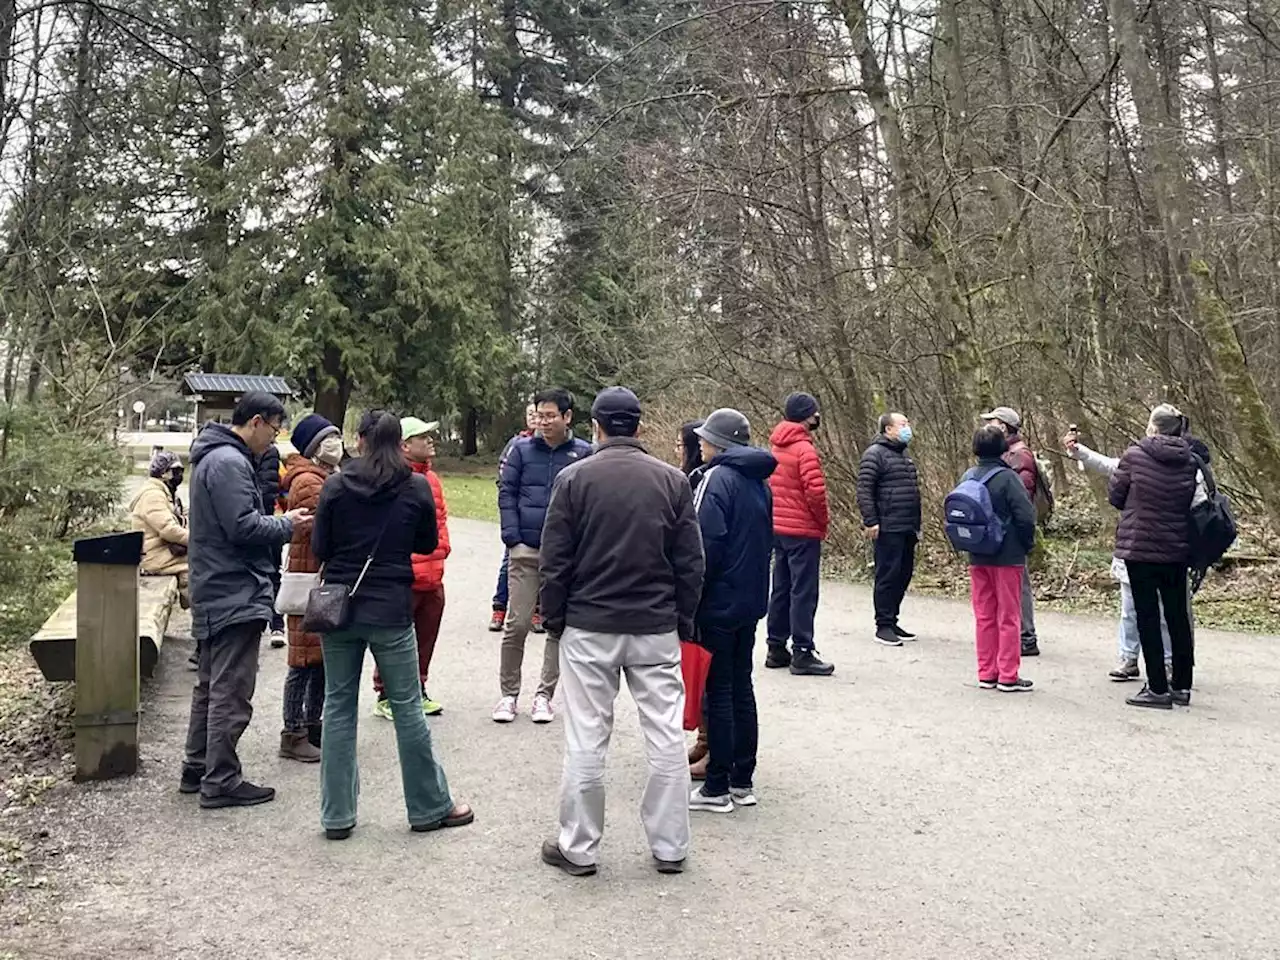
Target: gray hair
x,y
1167,420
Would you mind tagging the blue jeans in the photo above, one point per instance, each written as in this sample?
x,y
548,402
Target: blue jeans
x,y
500,594
733,731
1130,645
395,651
794,601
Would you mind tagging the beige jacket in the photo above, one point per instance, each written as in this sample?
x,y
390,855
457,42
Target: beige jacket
x,y
153,513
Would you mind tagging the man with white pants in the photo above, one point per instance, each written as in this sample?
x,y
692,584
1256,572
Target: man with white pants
x,y
621,569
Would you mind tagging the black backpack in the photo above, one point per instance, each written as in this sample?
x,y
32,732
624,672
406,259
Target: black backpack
x,y
1212,529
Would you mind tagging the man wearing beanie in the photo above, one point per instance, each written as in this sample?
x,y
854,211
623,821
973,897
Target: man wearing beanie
x,y
621,568
800,522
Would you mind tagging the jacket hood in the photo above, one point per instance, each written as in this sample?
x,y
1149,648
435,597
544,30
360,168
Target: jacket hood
x,y
356,480
297,465
216,435
751,462
1170,450
787,433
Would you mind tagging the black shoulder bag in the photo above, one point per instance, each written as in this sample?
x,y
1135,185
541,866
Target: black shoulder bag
x,y
329,604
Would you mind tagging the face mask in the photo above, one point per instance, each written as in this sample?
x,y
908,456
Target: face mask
x,y
330,451
175,481
817,422
904,436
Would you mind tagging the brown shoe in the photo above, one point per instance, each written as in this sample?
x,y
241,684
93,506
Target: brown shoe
x,y
698,771
698,752
296,746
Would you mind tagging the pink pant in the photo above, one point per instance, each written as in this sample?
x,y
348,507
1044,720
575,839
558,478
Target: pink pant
x,y
997,613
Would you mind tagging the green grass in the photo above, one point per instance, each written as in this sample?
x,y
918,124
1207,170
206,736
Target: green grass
x,y
474,496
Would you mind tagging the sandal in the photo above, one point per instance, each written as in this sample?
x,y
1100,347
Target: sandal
x,y
460,816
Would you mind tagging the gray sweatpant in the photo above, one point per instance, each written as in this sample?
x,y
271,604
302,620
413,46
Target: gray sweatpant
x,y
222,705
590,669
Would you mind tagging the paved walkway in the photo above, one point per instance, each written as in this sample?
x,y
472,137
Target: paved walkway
x,y
904,814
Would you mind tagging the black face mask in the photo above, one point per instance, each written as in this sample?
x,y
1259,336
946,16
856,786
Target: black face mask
x,y
176,481
817,422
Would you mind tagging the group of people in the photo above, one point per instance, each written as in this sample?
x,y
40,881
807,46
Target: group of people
x,y
624,558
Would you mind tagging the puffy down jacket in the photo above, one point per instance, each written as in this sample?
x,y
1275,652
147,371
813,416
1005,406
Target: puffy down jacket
x,y
524,489
1153,487
301,486
428,568
798,485
889,488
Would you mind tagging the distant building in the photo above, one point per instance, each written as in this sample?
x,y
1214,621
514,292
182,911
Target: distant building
x,y
215,394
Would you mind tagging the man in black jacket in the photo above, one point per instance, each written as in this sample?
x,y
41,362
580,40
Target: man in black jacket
x,y
231,551
889,501
621,571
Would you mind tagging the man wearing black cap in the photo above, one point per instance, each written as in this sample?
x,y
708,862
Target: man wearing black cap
x,y
621,569
800,521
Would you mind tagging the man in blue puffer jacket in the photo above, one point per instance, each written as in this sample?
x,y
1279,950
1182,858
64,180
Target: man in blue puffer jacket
x,y
735,512
524,490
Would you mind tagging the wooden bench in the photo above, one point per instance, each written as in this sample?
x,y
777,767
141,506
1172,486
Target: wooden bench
x,y
54,645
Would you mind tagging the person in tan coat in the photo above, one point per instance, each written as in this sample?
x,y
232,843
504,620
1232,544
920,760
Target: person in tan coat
x,y
320,446
157,512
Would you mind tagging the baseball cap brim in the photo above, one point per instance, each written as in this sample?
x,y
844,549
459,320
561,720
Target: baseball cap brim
x,y
411,427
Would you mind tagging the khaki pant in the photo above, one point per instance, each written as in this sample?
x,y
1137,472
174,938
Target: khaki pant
x,y
522,585
591,664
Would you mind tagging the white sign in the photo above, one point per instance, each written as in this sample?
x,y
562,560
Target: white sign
x,y
139,407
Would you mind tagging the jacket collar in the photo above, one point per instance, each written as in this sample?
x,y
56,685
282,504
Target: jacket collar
x,y
631,442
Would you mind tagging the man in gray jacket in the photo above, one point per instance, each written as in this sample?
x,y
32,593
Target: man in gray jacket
x,y
621,570
232,552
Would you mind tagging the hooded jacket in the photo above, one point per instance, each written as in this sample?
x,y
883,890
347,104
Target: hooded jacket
x,y
889,488
428,568
799,487
232,545
1153,487
354,512
301,486
621,551
524,490
154,513
735,514
1013,507
269,476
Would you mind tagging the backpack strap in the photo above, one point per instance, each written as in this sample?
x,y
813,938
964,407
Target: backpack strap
x,y
987,479
1210,485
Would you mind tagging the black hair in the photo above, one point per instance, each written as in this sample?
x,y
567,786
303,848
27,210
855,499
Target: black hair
x,y
692,446
886,420
619,425
561,397
989,441
382,462
257,404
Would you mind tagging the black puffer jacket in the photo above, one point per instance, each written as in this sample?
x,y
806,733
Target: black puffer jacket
x,y
1153,487
889,488
268,467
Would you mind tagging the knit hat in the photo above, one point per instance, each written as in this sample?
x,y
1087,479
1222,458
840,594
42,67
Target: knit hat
x,y
411,427
310,430
800,407
725,428
163,462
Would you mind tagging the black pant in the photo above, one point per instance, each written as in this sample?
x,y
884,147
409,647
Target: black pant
x,y
222,705
796,563
277,619
895,565
1156,584
733,731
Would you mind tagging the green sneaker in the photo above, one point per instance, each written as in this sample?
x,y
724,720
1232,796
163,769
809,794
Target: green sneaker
x,y
431,707
383,709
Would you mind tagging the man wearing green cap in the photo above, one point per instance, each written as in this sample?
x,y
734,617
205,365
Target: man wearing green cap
x,y
428,569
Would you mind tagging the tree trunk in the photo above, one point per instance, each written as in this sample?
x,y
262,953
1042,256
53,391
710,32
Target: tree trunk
x,y
470,431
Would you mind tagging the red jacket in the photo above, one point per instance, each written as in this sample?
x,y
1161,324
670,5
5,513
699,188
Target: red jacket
x,y
428,569
799,488
1022,461
301,486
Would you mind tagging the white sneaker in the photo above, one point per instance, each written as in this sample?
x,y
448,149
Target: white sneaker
x,y
505,711
542,712
700,801
743,796
278,639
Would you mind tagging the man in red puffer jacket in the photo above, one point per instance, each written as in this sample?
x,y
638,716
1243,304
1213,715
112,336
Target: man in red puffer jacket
x,y
428,569
800,521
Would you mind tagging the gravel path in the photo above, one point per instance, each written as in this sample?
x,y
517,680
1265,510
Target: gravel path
x,y
904,814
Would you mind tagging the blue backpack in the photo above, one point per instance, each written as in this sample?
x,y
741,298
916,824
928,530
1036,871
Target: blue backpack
x,y
971,522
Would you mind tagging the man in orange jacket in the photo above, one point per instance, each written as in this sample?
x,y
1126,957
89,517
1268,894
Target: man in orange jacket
x,y
800,521
428,569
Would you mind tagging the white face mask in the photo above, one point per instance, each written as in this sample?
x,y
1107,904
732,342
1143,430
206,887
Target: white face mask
x,y
330,451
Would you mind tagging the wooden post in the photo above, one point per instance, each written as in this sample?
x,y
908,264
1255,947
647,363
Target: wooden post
x,y
107,656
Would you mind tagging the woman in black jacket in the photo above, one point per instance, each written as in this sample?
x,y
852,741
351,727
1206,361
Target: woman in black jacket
x,y
371,518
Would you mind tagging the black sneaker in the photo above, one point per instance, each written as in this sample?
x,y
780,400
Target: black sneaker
x,y
191,777
338,833
779,656
553,856
1181,697
988,684
1153,701
1031,649
806,663
903,634
669,866
888,636
246,795
1015,686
